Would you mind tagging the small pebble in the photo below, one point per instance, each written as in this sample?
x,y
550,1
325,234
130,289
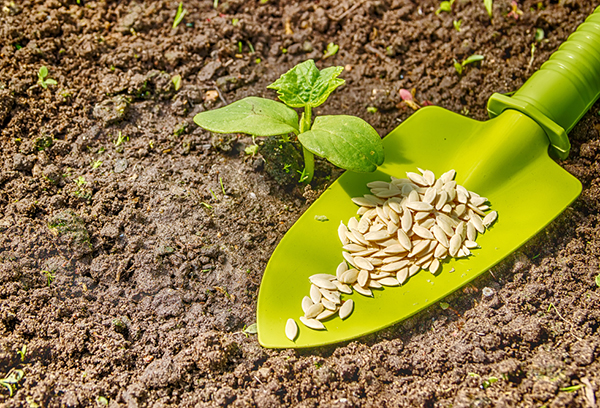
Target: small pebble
x,y
487,292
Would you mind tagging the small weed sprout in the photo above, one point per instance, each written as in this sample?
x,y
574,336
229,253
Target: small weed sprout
x,y
179,16
515,12
332,49
23,352
43,81
539,34
50,275
460,66
120,139
598,280
176,82
445,6
346,141
252,329
96,164
457,24
489,7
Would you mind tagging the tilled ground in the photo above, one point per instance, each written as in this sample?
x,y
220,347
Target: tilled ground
x,y
132,243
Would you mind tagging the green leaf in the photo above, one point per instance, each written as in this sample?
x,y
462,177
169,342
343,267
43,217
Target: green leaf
x,y
51,81
179,16
473,58
43,73
304,85
489,5
255,116
598,280
176,82
252,329
346,141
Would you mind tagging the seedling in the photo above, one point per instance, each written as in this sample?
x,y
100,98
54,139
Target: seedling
x,y
11,381
252,329
539,34
457,24
23,352
514,12
572,388
120,139
346,141
96,164
179,16
49,276
372,109
222,186
489,7
252,149
176,82
445,6
460,66
332,49
42,74
598,280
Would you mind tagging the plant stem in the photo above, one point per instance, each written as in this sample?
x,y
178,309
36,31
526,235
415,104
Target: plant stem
x,y
309,157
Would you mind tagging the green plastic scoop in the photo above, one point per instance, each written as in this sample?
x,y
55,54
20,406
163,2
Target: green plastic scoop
x,y
504,159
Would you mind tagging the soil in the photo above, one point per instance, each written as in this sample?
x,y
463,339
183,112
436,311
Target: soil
x,y
132,243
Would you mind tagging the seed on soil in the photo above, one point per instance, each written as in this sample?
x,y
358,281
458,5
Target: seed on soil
x,y
403,227
291,329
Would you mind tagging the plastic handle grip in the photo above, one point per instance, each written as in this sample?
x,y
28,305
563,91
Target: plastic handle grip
x,y
563,89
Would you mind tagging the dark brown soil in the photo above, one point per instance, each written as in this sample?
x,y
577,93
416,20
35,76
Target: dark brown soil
x,y
128,270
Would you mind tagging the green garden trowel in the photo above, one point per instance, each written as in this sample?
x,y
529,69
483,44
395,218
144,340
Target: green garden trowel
x,y
504,159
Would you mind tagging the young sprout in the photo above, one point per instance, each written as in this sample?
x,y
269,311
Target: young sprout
x,y
42,74
176,82
457,24
346,141
179,16
332,49
539,34
459,66
445,6
489,7
11,380
514,12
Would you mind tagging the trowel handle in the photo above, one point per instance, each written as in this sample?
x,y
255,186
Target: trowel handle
x,y
563,89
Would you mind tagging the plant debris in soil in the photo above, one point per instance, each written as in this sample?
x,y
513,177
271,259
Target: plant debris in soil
x,y
132,242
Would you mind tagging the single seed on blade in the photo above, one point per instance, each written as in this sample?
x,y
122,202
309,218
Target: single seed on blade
x,y
377,226
378,184
331,296
442,200
322,283
359,237
395,205
376,236
314,310
363,225
463,190
380,275
460,210
406,189
413,269
365,253
315,294
291,329
389,281
326,314
362,263
445,226
328,304
446,208
414,196
451,191
395,266
353,248
419,206
430,195
362,210
441,251
306,303
392,227
489,219
455,244
460,253
394,217
461,229
374,284
422,261
476,210
471,244
421,215
417,178
434,266
440,235
325,276
419,248
429,177
477,201
404,240
471,232
484,207
422,232
375,261
346,309
381,214
465,250
453,223
389,193
394,249
448,176
363,278
349,277
406,221
342,287
402,275
342,230
341,268
392,259
363,202
352,223
477,222
388,242
363,291
312,323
